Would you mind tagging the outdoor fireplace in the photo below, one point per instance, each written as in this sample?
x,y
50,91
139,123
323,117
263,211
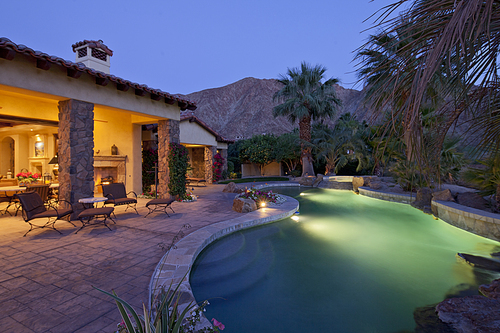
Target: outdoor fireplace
x,y
109,168
107,180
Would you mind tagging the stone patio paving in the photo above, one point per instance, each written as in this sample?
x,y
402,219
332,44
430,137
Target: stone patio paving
x,y
46,278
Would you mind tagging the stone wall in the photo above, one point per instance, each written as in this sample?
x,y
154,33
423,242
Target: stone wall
x,y
198,162
223,153
76,150
209,162
388,196
168,131
477,221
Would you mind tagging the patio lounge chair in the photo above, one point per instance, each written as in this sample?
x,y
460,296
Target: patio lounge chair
x,y
41,189
90,216
118,196
34,208
158,205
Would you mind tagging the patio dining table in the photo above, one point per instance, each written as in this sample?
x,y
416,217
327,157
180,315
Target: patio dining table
x,y
21,188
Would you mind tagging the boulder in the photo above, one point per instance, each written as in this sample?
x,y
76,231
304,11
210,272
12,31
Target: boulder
x,y
473,200
306,181
370,179
318,180
481,262
444,195
423,198
375,185
477,314
427,321
243,205
491,290
231,188
357,182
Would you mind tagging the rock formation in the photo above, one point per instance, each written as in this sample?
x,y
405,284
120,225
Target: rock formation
x,y
244,108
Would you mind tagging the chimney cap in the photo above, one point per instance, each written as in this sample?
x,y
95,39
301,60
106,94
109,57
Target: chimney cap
x,y
93,44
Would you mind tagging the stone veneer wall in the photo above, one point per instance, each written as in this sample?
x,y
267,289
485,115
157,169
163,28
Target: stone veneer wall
x,y
168,131
473,220
223,153
209,162
76,150
388,196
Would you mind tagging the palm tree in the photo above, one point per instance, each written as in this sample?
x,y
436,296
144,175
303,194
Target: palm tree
x,y
346,142
388,62
462,38
306,98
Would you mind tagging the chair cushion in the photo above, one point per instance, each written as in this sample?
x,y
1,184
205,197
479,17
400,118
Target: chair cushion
x,y
52,213
124,201
159,202
96,211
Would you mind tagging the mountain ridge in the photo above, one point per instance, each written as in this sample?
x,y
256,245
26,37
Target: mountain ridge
x,y
244,108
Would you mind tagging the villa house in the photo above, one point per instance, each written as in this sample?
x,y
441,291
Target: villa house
x,y
91,120
201,141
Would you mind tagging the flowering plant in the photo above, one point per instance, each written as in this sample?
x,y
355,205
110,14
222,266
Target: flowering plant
x,y
27,177
261,196
188,197
217,167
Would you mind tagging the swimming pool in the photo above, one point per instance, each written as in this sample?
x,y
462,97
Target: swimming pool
x,y
350,264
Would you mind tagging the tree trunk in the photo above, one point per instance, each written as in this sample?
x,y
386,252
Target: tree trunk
x,y
306,155
413,141
497,197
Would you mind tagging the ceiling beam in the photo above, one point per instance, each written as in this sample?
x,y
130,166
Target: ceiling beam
x,y
74,73
25,120
7,54
43,64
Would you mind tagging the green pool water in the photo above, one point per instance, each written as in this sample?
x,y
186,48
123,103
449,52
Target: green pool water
x,y
349,264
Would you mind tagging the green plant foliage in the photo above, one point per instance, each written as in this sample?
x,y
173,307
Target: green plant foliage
x,y
178,165
409,175
166,316
288,149
217,167
485,176
346,142
306,97
260,149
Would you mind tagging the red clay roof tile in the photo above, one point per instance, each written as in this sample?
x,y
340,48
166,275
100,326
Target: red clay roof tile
x,y
6,43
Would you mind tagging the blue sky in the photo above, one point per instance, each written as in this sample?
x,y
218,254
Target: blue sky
x,y
190,45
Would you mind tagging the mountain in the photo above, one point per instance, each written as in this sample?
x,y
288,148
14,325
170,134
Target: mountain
x,y
244,108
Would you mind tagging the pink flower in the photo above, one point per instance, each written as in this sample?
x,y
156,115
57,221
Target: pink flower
x,y
218,324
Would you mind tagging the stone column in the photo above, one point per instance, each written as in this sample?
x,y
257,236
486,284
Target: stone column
x,y
223,153
209,162
168,131
76,151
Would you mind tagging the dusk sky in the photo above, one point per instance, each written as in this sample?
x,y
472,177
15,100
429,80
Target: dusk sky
x,y
192,45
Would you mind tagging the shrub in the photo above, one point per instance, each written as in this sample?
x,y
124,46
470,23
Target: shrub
x,y
178,164
217,167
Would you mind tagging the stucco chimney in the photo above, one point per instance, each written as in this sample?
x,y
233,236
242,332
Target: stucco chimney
x,y
93,54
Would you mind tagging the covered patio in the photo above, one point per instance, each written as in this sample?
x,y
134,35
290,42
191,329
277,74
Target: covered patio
x,y
91,120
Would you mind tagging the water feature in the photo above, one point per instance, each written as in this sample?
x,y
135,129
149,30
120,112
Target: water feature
x,y
349,264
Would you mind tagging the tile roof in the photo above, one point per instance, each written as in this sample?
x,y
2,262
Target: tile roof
x,y
8,50
189,116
